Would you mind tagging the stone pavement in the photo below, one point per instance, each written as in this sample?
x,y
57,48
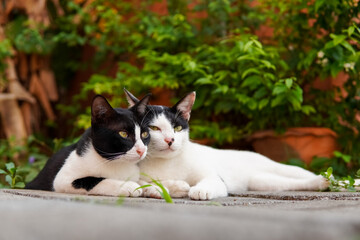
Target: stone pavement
x,y
27,214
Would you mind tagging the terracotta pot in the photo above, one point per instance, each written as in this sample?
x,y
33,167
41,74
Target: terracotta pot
x,y
303,143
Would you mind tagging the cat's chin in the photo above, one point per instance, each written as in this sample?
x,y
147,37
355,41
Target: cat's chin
x,y
167,150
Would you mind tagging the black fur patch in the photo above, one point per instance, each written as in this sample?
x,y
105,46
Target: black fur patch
x,y
87,183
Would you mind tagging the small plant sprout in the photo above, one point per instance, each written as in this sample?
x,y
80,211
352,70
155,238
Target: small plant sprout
x,y
11,177
164,193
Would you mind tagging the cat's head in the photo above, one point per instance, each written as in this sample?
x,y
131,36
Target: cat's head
x,y
168,126
117,134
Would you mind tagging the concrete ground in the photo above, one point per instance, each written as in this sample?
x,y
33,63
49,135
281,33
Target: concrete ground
x,y
27,214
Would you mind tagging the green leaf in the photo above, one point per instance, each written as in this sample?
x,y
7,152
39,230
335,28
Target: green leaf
x,y
143,186
249,71
257,43
248,45
294,101
19,185
263,103
8,179
2,172
252,104
351,30
337,39
308,109
318,4
253,81
260,93
279,88
9,166
277,101
288,82
329,171
348,47
203,81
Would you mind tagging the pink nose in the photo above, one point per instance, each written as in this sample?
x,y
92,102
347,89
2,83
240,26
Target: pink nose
x,y
140,152
169,141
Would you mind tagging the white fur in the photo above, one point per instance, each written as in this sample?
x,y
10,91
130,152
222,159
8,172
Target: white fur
x,y
214,173
121,174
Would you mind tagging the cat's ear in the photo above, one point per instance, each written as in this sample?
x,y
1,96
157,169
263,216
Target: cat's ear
x,y
132,100
140,106
185,104
101,109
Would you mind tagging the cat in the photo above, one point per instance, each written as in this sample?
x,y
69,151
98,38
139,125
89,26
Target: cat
x,y
201,172
104,160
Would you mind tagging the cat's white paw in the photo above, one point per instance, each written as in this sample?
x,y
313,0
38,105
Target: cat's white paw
x,y
129,189
153,192
200,193
178,188
321,183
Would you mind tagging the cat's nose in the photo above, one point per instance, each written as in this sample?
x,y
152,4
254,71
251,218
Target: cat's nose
x,y
140,151
169,141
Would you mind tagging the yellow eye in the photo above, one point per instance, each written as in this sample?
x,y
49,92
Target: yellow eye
x,y
123,134
178,128
154,128
145,134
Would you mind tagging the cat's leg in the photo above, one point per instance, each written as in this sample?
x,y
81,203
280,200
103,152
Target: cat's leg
x,y
273,182
292,171
98,186
176,188
208,188
152,190
114,187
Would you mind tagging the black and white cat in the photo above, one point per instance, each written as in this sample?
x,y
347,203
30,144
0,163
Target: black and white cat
x,y
202,172
104,161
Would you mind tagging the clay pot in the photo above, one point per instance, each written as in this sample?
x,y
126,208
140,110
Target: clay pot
x,y
302,143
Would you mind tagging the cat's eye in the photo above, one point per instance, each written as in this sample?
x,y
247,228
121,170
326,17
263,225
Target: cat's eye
x,y
177,128
154,128
145,134
123,134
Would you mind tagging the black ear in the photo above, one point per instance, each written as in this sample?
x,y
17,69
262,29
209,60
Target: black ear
x,y
140,106
132,100
185,104
101,110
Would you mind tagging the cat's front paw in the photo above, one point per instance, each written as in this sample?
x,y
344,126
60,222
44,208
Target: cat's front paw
x,y
198,193
153,192
322,183
177,188
130,189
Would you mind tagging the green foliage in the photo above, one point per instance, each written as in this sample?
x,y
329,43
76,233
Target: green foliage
x,y
243,83
11,176
320,40
30,158
341,184
234,75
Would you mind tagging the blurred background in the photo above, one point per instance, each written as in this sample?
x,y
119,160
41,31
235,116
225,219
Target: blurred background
x,y
277,77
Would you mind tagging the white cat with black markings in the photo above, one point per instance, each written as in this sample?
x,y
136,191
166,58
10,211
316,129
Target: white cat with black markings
x,y
104,161
202,172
